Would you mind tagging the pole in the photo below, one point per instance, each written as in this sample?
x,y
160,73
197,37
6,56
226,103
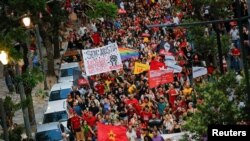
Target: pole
x,y
38,41
24,108
244,58
219,51
4,121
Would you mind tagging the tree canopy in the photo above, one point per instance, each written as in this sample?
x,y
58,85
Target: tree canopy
x,y
221,104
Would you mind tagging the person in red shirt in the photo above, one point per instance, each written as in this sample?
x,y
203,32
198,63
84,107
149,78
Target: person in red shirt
x,y
235,60
172,93
100,88
74,124
210,69
146,115
90,118
96,38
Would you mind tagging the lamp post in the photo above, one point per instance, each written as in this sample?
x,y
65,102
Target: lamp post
x,y
26,21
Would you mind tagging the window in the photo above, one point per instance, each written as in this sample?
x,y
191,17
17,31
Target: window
x,y
59,94
68,72
56,116
50,135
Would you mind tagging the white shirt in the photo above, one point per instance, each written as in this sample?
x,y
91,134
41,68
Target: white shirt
x,y
176,20
81,31
234,34
131,135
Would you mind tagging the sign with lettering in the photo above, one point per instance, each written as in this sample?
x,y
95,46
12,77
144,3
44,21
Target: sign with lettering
x,y
101,60
159,77
199,71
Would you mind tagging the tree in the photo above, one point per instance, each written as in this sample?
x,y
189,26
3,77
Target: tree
x,y
205,40
96,9
11,14
57,16
30,79
216,106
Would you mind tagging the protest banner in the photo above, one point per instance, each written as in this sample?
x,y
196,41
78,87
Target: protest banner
x,y
199,71
175,68
139,68
158,77
101,60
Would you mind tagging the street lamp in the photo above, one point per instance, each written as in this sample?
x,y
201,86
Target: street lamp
x,y
27,23
4,58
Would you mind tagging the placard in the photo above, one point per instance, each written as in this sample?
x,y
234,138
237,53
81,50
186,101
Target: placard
x,y
101,60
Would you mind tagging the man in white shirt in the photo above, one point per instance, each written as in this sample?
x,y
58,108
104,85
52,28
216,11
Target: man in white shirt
x,y
234,33
131,134
81,30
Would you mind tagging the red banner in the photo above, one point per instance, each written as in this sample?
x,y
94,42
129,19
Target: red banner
x,y
156,65
159,77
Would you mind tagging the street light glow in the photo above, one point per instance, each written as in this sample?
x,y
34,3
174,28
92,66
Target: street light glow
x,y
26,21
4,58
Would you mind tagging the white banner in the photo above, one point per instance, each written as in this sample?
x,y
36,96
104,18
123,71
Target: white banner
x,y
101,60
174,136
199,71
175,68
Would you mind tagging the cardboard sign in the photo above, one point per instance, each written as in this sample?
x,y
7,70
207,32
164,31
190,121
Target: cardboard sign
x,y
101,60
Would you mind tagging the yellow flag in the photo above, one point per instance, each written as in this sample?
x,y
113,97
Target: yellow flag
x,y
139,68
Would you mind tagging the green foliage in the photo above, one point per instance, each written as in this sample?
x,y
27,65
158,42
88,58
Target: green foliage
x,y
216,107
7,46
10,106
32,77
208,43
225,44
15,134
103,9
21,7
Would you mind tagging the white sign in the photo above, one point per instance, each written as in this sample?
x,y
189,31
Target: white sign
x,y
175,68
199,71
174,136
170,60
172,64
101,60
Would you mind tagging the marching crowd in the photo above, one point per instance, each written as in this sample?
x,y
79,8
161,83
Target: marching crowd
x,y
123,98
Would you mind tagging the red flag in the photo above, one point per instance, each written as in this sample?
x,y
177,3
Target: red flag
x,y
156,65
111,133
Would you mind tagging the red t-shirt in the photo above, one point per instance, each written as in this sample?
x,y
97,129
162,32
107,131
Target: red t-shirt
x,y
210,69
146,116
96,38
235,52
91,120
75,123
100,89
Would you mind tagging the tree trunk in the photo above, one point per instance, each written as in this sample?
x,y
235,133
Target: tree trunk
x,y
50,56
32,116
56,42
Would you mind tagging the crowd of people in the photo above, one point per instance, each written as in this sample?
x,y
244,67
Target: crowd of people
x,y
123,98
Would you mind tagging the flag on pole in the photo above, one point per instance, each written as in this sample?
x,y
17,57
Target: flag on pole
x,y
111,133
139,68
